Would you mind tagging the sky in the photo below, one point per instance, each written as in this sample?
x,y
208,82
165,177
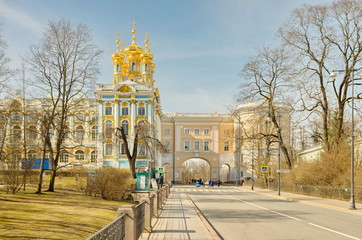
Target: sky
x,y
199,46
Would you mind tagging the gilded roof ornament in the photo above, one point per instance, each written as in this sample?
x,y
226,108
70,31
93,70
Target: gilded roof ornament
x,y
134,32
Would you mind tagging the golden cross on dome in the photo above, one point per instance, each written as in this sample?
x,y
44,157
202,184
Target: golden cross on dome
x,y
133,24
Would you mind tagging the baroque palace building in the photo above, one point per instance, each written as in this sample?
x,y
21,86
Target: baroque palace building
x,y
129,98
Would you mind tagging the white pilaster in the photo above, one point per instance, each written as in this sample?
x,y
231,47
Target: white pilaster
x,y
178,138
215,130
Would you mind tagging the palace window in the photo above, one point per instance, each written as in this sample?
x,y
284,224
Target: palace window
x,y
109,149
108,128
123,148
79,133
197,146
206,131
206,146
64,156
125,126
187,131
197,131
226,131
80,118
108,111
94,156
167,131
167,145
31,154
17,133
16,117
226,146
141,111
187,146
94,133
31,118
124,111
79,155
16,156
32,133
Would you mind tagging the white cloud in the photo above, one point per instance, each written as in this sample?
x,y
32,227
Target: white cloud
x,y
13,15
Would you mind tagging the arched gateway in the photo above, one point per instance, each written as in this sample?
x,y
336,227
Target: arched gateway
x,y
197,136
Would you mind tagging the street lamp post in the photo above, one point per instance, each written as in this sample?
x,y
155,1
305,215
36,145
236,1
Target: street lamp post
x,y
352,205
279,132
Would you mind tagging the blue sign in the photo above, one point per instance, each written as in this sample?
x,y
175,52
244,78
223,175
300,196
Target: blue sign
x,y
264,168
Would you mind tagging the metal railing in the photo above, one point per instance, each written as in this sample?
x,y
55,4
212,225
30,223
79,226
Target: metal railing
x,y
113,231
140,218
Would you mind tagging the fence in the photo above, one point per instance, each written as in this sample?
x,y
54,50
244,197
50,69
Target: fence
x,y
133,220
114,230
140,218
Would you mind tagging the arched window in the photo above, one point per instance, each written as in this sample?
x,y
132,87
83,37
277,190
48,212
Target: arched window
x,y
32,133
79,155
79,133
141,111
64,156
108,128
117,68
94,133
17,132
125,126
146,67
31,154
94,156
133,66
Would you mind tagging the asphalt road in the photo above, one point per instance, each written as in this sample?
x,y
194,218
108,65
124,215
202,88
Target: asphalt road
x,y
237,213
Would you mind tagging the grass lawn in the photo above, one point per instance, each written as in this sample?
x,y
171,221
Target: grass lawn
x,y
64,214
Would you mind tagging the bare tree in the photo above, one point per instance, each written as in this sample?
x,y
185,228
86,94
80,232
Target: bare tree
x,y
266,77
5,72
145,137
326,37
66,64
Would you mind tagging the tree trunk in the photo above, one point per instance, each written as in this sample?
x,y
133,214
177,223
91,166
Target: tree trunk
x,y
40,182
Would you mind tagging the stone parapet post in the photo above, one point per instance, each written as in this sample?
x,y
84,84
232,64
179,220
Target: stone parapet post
x,y
130,221
148,213
155,203
159,199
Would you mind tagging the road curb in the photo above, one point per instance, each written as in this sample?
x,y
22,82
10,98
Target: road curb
x,y
213,232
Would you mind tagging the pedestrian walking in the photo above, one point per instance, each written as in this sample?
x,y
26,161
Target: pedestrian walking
x,y
218,183
160,181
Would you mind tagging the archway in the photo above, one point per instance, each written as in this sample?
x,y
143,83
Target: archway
x,y
225,173
195,168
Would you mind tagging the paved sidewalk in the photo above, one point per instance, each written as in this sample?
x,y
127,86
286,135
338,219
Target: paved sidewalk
x,y
180,219
338,205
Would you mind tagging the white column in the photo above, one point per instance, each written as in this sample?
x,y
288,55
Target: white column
x,y
100,131
116,125
215,130
178,138
133,116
